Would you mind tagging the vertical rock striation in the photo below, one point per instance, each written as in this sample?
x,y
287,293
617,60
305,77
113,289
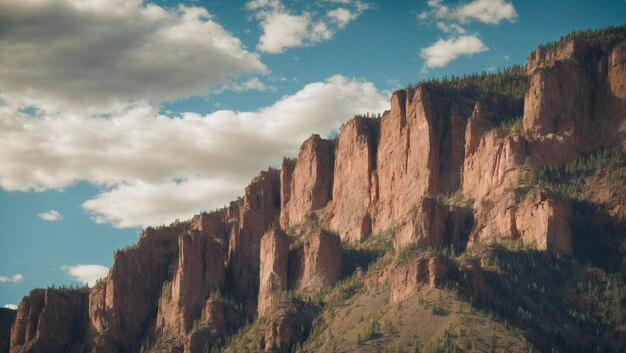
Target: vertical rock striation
x,y
311,181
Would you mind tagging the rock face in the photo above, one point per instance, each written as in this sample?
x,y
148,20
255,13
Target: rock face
x,y
291,322
259,209
354,185
121,308
49,320
495,164
218,320
542,220
576,93
434,224
539,220
311,181
439,169
421,149
286,173
273,272
200,270
7,317
319,265
408,279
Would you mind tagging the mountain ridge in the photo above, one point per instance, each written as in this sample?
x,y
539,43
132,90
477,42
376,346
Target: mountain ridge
x,y
440,199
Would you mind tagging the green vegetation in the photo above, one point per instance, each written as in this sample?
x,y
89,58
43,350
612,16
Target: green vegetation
x,y
511,81
527,287
372,330
603,38
569,180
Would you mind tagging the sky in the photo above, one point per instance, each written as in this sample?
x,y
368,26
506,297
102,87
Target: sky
x,y
120,114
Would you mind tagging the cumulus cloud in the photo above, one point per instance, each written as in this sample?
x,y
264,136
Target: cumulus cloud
x,y
485,11
7,279
94,55
51,216
155,168
283,29
449,20
87,274
445,50
10,306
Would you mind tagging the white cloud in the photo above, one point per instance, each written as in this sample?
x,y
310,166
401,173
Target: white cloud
x,y
88,274
485,11
449,19
445,50
51,216
16,278
94,55
282,29
10,306
155,168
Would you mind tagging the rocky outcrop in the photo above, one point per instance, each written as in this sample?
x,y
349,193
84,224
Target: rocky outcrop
x,y
494,165
542,221
539,220
354,185
216,224
319,263
273,271
200,270
50,320
311,181
219,319
259,209
289,324
433,224
122,307
577,94
7,317
425,272
421,148
286,173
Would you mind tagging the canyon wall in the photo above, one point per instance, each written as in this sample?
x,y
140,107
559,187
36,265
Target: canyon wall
x,y
444,167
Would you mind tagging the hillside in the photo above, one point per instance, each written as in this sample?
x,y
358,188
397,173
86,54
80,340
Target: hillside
x,y
483,213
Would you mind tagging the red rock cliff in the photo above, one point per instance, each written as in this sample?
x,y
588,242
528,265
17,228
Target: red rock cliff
x,y
50,320
311,181
259,209
355,185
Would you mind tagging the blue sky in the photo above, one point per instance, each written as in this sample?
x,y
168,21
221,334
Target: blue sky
x,y
115,115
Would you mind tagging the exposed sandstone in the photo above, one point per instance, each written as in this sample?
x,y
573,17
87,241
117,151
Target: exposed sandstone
x,y
286,173
311,181
577,93
538,220
7,317
424,272
434,224
37,325
216,224
495,164
259,210
219,320
355,161
289,323
123,306
421,149
542,220
320,264
273,268
200,270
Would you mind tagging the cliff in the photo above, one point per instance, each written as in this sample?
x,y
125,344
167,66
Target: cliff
x,y
498,193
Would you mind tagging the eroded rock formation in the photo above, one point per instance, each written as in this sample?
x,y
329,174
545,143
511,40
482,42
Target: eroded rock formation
x,y
50,320
445,167
311,181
